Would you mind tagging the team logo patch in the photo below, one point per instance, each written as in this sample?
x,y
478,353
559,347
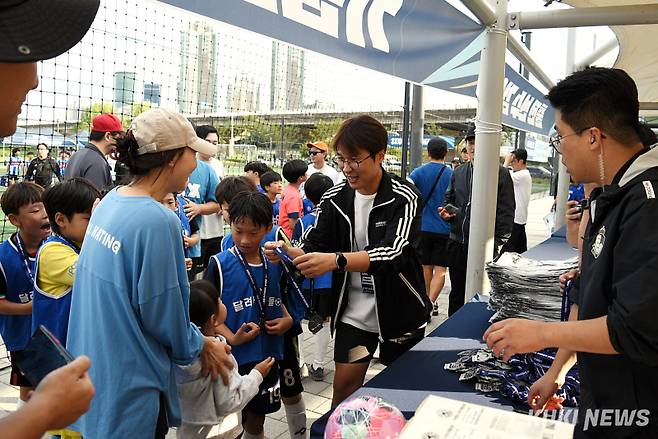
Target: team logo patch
x,y
648,188
599,242
380,224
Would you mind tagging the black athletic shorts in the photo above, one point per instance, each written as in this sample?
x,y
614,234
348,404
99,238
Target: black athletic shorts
x,y
16,378
268,398
209,248
289,374
354,345
434,249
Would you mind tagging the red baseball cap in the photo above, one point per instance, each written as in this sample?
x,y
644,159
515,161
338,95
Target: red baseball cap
x,y
106,123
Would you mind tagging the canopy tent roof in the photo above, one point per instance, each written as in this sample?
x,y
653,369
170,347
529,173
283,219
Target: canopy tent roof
x,y
637,49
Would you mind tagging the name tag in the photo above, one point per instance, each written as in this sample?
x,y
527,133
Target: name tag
x,y
367,283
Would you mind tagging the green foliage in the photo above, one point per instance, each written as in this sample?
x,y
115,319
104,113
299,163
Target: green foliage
x,y
92,111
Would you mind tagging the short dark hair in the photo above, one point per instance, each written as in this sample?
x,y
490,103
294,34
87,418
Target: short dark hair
x,y
229,187
41,143
99,135
599,97
140,165
75,195
294,169
437,148
207,287
251,205
316,185
361,132
202,306
258,167
19,195
202,131
268,178
521,155
15,150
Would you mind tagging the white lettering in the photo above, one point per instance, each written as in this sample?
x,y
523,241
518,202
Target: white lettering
x,y
591,419
116,246
606,417
376,21
354,22
510,90
643,417
104,238
624,417
323,18
194,190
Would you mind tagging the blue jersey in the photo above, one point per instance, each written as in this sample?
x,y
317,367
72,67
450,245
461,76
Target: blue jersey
x,y
184,222
576,192
307,206
15,329
272,235
227,273
200,190
130,315
324,281
15,165
424,177
275,209
49,310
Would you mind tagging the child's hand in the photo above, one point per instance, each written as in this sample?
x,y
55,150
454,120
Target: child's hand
x,y
246,333
265,366
186,241
278,326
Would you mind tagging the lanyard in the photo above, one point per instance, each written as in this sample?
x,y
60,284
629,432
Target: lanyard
x,y
24,257
259,293
294,283
564,315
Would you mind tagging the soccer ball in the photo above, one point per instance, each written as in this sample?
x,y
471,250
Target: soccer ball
x,y
364,417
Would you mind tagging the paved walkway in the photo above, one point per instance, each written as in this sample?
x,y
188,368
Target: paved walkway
x,y
317,394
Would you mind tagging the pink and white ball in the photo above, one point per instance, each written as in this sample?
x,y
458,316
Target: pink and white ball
x,y
364,417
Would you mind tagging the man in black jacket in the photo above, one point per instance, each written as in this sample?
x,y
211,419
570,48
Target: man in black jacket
x,y
612,329
459,195
367,231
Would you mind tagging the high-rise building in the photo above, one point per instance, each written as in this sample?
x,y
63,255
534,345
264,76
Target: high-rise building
x,y
124,88
197,84
287,83
152,93
243,94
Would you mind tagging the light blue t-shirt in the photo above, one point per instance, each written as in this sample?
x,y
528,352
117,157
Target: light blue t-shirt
x,y
200,190
424,177
129,314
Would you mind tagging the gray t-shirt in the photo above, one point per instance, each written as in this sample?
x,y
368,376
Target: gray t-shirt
x,y
90,163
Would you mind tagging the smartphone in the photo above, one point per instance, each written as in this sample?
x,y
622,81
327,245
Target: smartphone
x,y
43,354
451,209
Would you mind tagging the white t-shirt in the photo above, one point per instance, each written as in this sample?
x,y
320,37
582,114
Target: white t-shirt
x,y
522,190
360,311
326,170
212,225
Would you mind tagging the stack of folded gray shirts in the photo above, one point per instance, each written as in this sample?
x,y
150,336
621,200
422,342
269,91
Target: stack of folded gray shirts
x,y
526,288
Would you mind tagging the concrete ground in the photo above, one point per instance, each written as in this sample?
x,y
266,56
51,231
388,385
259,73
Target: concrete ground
x,y
317,394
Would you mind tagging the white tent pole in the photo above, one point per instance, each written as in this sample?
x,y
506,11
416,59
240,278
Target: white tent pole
x,y
580,17
487,151
482,10
596,55
563,175
523,54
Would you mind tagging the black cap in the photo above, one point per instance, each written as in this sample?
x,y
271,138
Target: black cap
x,y
34,30
470,133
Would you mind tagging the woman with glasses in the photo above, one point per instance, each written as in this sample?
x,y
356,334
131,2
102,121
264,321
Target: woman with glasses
x,y
367,233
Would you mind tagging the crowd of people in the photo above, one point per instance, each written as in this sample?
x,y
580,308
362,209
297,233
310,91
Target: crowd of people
x,y
113,266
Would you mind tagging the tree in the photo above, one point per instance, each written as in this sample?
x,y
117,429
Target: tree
x,y
92,111
325,130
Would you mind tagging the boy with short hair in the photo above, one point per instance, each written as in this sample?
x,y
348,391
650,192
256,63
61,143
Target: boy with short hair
x,y
205,403
254,171
272,185
68,205
175,203
291,208
22,205
256,319
320,292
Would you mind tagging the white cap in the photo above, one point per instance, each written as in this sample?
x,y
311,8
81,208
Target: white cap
x,y
159,129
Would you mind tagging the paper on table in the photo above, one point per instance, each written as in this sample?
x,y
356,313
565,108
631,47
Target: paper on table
x,y
443,418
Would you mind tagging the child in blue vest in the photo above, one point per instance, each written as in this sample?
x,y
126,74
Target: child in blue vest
x,y
14,166
320,292
289,371
69,205
175,203
22,205
271,183
256,318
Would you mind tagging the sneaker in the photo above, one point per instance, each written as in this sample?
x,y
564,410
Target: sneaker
x,y
435,309
315,374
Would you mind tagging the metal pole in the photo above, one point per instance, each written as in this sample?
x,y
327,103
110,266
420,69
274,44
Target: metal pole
x,y
563,175
487,151
596,55
405,129
580,17
526,38
523,55
417,124
482,10
283,138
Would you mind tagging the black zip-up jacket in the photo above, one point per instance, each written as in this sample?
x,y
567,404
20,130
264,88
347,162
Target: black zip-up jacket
x,y
459,194
619,277
394,235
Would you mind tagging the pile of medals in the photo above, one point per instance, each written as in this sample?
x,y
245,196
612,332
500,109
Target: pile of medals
x,y
526,288
514,378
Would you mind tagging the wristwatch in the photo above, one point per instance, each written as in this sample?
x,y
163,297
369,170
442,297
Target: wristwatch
x,y
341,262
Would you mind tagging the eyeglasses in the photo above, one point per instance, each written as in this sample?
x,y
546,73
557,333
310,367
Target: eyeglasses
x,y
556,139
354,164
314,153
